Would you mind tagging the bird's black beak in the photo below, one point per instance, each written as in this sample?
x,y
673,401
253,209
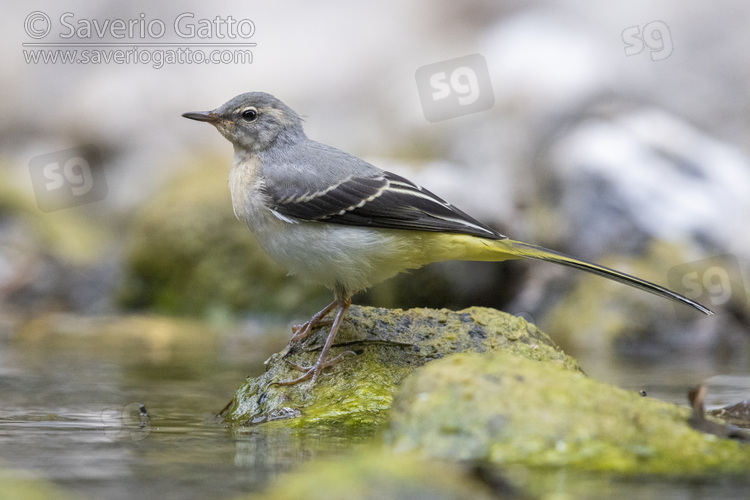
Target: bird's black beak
x,y
203,116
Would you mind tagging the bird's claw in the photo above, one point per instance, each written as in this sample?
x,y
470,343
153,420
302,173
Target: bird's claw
x,y
313,371
300,332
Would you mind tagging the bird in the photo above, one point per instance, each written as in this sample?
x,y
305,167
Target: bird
x,y
336,220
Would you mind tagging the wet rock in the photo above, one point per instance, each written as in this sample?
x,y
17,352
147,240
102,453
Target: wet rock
x,y
700,422
737,414
389,345
503,409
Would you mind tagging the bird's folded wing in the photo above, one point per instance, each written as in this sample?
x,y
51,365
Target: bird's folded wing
x,y
385,200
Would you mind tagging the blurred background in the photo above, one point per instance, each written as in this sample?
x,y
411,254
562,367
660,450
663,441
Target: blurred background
x,y
613,132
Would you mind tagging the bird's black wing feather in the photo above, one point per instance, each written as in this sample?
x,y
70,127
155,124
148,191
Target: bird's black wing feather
x,y
386,201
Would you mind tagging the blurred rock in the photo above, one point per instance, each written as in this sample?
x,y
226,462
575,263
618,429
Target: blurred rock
x,y
372,474
737,414
451,284
621,175
148,340
641,190
59,261
30,485
188,254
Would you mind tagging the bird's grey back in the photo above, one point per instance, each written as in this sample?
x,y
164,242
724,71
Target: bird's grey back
x,y
307,167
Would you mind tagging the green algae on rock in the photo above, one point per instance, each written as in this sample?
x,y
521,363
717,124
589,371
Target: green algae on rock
x,y
503,409
389,345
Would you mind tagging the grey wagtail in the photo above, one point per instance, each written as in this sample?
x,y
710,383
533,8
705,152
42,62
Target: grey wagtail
x,y
336,220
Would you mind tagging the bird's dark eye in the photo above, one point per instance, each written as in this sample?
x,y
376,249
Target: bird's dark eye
x,y
250,114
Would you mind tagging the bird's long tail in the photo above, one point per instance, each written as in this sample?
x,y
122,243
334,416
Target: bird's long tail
x,y
509,249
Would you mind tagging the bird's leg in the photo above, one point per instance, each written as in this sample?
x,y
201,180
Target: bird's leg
x,y
312,372
305,329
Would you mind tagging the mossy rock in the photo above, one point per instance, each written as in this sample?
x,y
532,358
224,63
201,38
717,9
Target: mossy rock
x,y
502,409
188,254
389,345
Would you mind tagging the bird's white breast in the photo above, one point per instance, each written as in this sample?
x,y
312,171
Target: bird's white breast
x,y
334,255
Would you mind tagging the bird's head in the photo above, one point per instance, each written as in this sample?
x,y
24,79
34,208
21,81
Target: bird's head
x,y
253,121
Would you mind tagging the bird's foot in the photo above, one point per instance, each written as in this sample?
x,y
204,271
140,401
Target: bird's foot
x,y
312,372
300,332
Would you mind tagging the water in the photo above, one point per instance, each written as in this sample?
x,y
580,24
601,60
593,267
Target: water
x,y
70,413
71,391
